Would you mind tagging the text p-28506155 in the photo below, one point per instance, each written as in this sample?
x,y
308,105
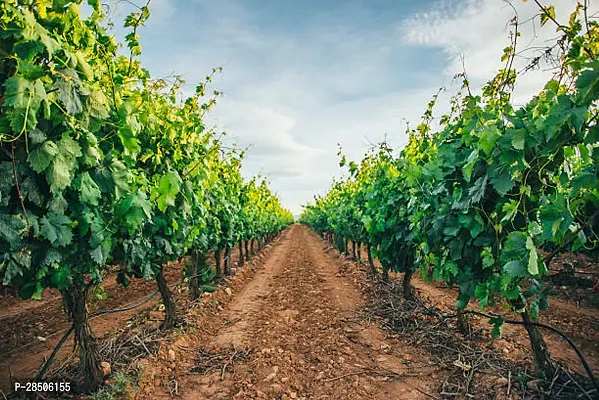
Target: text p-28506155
x,y
43,387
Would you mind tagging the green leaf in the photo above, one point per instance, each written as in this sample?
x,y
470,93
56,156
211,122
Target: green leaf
x,y
519,139
515,269
514,248
477,191
69,148
482,293
36,136
28,50
451,230
120,177
98,105
61,278
57,229
58,204
487,257
69,90
208,288
12,228
60,175
555,220
18,92
135,209
41,158
497,323
51,258
510,209
501,180
92,155
95,4
533,260
12,265
31,191
461,302
452,268
534,308
592,135
167,190
101,253
548,13
471,162
89,192
488,137
588,83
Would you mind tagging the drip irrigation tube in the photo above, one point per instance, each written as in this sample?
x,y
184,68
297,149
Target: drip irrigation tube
x,y
50,359
584,362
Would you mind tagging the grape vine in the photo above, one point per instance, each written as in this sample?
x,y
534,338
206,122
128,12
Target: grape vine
x,y
103,166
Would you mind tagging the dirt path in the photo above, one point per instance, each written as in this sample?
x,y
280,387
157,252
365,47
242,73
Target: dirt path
x,y
296,323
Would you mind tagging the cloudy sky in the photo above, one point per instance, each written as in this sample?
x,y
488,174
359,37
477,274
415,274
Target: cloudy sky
x,y
301,77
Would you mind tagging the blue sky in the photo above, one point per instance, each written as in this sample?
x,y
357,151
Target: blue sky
x,y
302,76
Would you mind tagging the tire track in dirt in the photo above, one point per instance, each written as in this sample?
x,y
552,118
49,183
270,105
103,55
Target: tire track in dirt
x,y
301,320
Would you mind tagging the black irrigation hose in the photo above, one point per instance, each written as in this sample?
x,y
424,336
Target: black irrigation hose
x,y
586,366
552,329
48,362
50,359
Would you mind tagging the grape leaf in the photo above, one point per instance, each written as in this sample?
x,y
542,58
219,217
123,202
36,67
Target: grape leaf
x,y
12,228
167,190
89,192
62,170
56,228
515,269
135,209
533,260
477,191
41,158
588,83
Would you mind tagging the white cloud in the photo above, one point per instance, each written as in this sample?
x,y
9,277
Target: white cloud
x,y
473,33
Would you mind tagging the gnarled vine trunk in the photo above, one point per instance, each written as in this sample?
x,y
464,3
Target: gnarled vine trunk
x,y
75,299
247,251
408,292
370,260
359,252
385,275
544,367
170,308
241,257
194,290
218,263
353,250
228,260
